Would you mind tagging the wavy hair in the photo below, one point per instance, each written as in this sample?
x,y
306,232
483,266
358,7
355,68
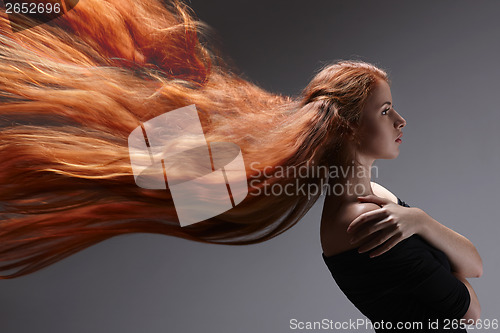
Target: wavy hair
x,y
71,92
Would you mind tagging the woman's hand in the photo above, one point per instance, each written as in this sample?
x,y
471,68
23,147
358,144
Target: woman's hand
x,y
387,225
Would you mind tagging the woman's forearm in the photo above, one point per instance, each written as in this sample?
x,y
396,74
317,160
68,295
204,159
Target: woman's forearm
x,y
463,255
474,311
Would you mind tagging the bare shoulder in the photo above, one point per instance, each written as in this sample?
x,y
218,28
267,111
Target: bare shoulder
x,y
381,191
344,214
356,209
334,237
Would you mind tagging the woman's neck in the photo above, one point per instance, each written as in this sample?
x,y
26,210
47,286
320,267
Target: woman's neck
x,y
349,181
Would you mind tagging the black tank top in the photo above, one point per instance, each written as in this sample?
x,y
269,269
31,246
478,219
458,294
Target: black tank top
x,y
411,284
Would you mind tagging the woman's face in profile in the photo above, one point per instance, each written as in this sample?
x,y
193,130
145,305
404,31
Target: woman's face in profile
x,y
380,125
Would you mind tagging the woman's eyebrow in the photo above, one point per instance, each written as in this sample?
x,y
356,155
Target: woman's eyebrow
x,y
386,103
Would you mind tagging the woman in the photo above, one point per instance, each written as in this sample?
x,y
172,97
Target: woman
x,y
70,98
395,263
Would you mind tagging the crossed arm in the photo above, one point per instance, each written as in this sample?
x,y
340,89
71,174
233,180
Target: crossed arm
x,y
383,224
463,256
393,223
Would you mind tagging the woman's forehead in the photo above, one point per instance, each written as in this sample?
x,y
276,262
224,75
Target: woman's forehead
x,y
380,94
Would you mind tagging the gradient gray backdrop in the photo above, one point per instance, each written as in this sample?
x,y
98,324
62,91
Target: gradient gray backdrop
x,y
443,59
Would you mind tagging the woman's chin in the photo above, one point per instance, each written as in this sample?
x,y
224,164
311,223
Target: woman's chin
x,y
389,156
395,155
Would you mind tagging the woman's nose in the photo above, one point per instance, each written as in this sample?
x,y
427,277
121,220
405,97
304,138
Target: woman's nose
x,y
402,123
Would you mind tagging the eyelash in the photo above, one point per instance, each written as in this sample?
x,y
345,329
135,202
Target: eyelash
x,y
386,110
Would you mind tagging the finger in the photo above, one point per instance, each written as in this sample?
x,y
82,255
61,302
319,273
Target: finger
x,y
374,199
387,246
362,233
384,236
365,218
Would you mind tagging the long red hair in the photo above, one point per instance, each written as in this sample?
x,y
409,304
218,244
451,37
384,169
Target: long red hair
x,y
73,89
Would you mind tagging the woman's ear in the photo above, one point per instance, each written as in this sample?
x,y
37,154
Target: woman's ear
x,y
357,137
352,133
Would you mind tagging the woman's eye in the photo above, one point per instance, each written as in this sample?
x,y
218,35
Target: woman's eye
x,y
386,110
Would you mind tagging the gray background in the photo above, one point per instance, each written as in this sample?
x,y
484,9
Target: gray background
x,y
442,57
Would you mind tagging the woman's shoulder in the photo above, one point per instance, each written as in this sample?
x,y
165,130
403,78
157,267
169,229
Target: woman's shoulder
x,y
352,210
334,237
337,217
346,212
